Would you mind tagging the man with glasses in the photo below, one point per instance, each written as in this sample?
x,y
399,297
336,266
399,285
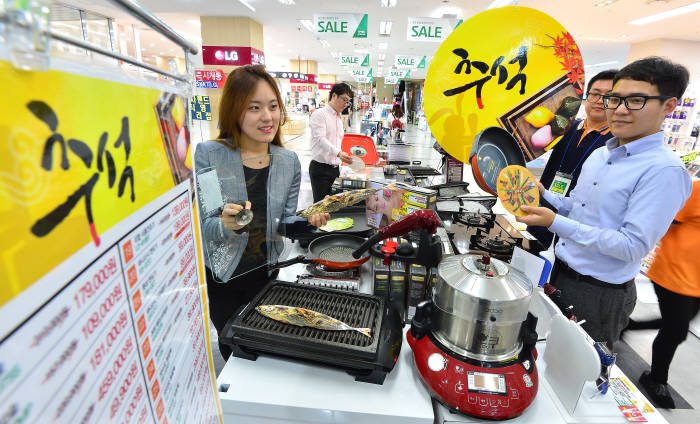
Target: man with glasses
x,y
326,138
577,143
627,195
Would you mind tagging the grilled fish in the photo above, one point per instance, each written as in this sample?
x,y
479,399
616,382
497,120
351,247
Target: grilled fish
x,y
337,202
307,318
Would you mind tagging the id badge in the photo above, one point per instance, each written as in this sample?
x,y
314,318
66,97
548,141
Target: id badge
x,y
561,183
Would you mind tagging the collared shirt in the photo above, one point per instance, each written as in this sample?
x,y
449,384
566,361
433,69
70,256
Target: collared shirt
x,y
326,135
572,150
625,201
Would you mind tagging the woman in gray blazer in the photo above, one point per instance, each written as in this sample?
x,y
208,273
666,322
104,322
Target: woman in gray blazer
x,y
255,170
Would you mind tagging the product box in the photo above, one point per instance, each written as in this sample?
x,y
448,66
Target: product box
x,y
387,206
417,284
420,197
384,206
380,274
397,294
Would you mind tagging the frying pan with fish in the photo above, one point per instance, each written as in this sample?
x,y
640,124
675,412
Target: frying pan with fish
x,y
333,251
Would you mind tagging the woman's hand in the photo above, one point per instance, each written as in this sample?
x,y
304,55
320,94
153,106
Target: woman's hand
x,y
320,219
228,216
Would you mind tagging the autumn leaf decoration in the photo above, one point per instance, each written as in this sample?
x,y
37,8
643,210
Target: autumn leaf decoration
x,y
569,55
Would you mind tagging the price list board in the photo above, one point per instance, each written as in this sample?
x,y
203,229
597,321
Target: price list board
x,y
124,339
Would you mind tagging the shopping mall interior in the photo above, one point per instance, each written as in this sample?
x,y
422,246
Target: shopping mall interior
x,y
191,46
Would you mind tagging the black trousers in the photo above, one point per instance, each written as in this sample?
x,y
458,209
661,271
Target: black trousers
x,y
605,307
226,298
677,311
322,176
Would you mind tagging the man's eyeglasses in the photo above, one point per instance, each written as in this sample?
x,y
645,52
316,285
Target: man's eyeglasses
x,y
346,100
631,102
593,97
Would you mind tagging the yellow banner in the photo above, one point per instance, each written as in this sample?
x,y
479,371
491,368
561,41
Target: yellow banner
x,y
513,67
79,155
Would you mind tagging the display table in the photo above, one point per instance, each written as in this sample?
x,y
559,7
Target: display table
x,y
277,390
281,391
599,409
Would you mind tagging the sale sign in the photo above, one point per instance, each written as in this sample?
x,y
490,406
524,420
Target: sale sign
x,y
340,25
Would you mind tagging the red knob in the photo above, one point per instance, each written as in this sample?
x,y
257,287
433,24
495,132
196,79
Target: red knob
x,y
485,259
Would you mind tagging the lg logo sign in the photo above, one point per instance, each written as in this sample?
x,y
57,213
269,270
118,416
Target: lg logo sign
x,y
229,56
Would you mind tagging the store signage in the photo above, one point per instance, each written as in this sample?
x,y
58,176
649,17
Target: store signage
x,y
354,60
302,88
361,72
340,25
232,56
391,80
102,309
410,62
297,77
216,75
399,73
434,30
200,108
324,86
304,79
364,79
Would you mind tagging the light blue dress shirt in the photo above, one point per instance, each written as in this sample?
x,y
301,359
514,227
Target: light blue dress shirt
x,y
624,202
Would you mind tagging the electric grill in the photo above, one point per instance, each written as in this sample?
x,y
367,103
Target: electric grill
x,y
367,359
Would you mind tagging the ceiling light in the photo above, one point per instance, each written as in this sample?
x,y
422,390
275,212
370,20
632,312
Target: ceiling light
x,y
307,24
383,46
335,54
498,3
624,36
667,14
380,63
246,4
324,43
161,53
286,2
153,44
385,27
387,3
194,22
381,56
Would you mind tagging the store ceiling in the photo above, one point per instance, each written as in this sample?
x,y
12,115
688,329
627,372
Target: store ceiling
x,y
603,33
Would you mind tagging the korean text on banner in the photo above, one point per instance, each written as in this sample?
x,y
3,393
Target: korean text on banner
x,y
340,25
102,311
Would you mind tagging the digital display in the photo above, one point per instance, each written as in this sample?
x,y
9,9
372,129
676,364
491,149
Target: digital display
x,y
484,382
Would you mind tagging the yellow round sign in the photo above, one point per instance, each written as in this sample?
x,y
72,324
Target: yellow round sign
x,y
513,67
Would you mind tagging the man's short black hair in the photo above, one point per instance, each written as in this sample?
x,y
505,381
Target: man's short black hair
x,y
603,75
340,88
671,79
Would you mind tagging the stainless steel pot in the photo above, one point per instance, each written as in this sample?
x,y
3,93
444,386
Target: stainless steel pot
x,y
480,306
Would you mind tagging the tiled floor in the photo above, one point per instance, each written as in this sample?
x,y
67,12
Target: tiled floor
x,y
685,369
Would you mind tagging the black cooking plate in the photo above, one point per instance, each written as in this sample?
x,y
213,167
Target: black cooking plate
x,y
493,149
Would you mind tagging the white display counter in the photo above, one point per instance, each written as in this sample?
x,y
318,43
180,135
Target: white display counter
x,y
277,390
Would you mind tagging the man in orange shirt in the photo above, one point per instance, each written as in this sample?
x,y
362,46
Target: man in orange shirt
x,y
675,273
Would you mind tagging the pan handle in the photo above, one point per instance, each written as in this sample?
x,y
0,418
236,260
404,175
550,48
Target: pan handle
x,y
298,260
